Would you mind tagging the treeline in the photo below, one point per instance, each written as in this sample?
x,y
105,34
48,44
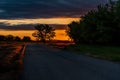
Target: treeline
x,y
14,38
99,26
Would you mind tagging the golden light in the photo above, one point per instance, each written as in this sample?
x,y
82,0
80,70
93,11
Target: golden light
x,y
60,34
39,21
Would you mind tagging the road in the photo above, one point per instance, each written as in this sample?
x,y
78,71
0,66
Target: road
x,y
46,63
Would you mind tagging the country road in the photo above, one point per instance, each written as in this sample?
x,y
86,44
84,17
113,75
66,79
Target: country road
x,y
46,63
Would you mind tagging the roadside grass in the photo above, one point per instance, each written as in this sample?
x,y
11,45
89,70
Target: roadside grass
x,y
111,53
10,62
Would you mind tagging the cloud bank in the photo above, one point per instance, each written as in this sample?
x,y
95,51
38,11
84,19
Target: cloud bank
x,y
10,9
14,10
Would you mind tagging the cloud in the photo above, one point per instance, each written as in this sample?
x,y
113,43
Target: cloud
x,y
39,21
24,14
46,8
2,11
28,24
28,27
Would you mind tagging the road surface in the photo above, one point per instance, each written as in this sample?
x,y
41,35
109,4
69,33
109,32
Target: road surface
x,y
46,63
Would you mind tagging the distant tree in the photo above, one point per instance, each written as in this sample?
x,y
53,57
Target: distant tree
x,y
2,38
44,32
26,38
17,38
9,38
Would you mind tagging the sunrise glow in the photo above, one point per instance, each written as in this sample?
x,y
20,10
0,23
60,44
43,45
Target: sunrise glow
x,y
60,34
18,17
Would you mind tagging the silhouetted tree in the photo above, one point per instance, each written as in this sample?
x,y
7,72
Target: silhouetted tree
x,y
2,38
100,26
44,32
9,38
17,38
12,38
26,38
73,32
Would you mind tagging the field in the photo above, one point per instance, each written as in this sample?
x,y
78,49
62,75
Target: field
x,y
10,60
111,53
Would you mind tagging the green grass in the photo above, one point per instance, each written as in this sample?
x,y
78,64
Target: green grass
x,y
111,53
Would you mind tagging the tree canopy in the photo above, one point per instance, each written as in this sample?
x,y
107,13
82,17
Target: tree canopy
x,y
99,26
44,32
9,38
26,38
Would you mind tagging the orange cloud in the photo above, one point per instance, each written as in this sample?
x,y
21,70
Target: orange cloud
x,y
62,21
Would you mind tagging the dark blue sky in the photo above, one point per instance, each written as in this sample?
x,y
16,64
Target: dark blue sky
x,y
11,9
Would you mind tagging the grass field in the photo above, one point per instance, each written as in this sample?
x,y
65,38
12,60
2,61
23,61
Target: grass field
x,y
111,53
10,53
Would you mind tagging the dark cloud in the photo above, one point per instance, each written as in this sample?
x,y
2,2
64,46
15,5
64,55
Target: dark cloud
x,y
27,27
16,9
46,8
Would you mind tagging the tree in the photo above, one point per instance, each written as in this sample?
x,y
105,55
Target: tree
x,y
17,38
100,26
26,38
9,38
73,32
2,38
44,32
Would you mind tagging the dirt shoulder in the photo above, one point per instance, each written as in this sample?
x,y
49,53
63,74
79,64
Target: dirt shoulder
x,y
11,60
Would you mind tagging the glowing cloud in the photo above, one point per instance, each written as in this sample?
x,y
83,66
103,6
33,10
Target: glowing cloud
x,y
62,21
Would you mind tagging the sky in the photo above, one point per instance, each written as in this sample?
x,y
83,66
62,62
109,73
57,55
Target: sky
x,y
24,14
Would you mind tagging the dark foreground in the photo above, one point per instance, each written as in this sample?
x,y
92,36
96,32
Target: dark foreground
x,y
45,63
11,60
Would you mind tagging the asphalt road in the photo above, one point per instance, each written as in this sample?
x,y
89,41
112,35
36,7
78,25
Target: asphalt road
x,y
46,63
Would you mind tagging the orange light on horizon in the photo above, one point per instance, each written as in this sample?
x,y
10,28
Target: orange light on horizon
x,y
20,33
60,34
